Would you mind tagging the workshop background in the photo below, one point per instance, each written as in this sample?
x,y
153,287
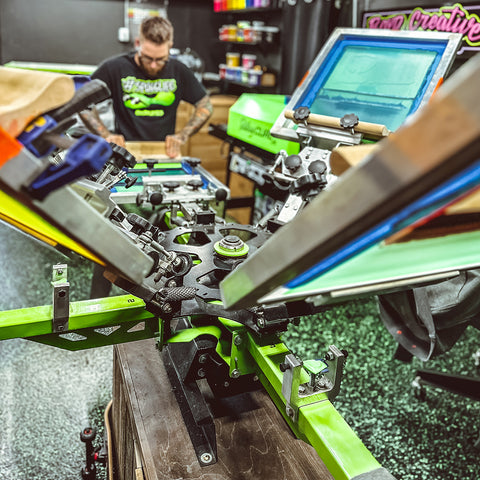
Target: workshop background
x,y
48,395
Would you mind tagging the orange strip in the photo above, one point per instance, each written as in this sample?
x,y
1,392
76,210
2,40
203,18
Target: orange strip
x,y
439,84
9,147
303,78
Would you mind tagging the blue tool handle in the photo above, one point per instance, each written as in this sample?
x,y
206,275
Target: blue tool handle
x,y
32,134
92,92
86,157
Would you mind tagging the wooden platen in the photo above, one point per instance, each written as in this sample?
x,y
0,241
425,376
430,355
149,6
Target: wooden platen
x,y
253,440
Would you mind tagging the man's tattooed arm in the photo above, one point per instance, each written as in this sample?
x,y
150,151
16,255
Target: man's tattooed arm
x,y
92,121
203,111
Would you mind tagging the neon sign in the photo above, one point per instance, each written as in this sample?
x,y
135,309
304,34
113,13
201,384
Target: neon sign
x,y
451,19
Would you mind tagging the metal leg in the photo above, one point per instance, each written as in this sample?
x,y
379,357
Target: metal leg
x,y
463,385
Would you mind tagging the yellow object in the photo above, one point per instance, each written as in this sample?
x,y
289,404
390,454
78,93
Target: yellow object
x,y
20,216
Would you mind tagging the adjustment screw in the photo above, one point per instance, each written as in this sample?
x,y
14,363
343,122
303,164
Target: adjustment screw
x,y
201,373
167,308
329,356
206,458
203,358
284,367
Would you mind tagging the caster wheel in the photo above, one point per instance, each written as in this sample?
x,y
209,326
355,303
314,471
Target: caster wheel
x,y
88,434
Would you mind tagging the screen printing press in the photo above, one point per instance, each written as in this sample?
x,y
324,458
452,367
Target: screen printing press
x,y
216,296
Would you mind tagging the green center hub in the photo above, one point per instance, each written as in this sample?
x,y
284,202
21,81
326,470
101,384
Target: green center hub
x,y
231,246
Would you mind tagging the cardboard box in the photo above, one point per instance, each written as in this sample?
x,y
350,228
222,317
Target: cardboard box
x,y
142,150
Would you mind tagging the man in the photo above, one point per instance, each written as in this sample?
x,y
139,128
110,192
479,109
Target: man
x,y
147,87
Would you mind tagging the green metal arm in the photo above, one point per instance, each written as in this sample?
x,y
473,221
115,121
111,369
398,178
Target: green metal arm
x,y
92,323
107,321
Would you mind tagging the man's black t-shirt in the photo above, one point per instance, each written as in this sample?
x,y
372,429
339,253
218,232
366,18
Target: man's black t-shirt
x,y
146,108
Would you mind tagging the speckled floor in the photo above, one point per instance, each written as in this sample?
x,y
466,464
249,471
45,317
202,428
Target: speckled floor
x,y
47,395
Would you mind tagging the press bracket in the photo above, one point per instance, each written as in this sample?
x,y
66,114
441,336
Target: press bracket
x,y
61,298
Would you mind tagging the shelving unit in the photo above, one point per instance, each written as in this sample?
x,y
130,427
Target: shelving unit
x,y
261,37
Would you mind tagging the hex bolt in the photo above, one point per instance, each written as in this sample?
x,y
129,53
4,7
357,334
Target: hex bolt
x,y
290,412
238,340
284,366
206,458
167,308
235,373
171,283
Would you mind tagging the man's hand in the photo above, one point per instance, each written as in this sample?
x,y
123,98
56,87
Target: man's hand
x,y
118,139
173,144
203,111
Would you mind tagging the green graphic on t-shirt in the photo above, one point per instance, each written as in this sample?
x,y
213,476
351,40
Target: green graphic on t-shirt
x,y
140,95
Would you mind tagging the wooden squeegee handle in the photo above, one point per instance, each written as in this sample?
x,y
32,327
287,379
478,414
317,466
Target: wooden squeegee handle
x,y
371,129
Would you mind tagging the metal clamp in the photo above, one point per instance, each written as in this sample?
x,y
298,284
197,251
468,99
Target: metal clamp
x,y
324,377
61,299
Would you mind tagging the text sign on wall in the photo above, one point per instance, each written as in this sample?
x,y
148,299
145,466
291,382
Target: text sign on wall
x,y
452,19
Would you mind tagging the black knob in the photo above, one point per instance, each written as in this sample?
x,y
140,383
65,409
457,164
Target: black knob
x,y
317,166
150,162
301,114
130,181
117,215
138,223
156,198
195,183
171,185
193,161
221,194
122,157
284,367
306,182
293,163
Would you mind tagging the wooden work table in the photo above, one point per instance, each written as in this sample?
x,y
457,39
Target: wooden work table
x,y
253,440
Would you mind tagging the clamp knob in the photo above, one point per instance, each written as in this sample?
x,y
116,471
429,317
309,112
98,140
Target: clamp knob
x,y
195,183
221,194
293,163
317,166
122,157
193,161
349,121
156,198
171,186
150,163
138,223
301,114
130,181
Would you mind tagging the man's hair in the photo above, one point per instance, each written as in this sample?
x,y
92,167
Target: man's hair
x,y
157,30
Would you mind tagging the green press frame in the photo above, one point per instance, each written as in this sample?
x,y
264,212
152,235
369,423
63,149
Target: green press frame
x,y
120,319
